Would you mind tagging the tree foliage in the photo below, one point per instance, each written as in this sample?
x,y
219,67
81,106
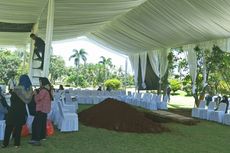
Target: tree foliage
x,y
57,68
78,56
9,64
82,75
113,84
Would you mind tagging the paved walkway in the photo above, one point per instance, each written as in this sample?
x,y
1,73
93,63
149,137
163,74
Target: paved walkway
x,y
175,117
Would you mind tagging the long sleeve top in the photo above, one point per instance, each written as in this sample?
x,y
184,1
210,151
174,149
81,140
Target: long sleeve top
x,y
43,101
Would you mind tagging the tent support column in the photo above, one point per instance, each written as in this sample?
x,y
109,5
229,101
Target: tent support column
x,y
49,36
31,48
126,74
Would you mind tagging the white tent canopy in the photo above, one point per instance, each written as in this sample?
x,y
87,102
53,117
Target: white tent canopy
x,y
127,26
130,27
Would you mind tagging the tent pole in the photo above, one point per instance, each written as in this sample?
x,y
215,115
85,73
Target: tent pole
x,y
49,36
126,65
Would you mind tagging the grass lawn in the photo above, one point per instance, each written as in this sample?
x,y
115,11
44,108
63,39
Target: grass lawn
x,y
205,137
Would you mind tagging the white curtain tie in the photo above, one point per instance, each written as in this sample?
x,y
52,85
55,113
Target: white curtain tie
x,y
193,89
143,85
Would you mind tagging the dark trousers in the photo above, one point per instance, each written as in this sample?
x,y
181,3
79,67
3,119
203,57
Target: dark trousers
x,y
227,105
17,134
39,126
37,52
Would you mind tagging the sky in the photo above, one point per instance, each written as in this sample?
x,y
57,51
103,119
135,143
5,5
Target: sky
x,y
65,50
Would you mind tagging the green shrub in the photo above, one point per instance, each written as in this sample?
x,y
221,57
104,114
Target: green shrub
x,y
175,85
113,84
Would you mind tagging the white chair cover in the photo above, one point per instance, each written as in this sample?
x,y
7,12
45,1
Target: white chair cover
x,y
68,121
219,114
226,119
152,104
205,113
196,111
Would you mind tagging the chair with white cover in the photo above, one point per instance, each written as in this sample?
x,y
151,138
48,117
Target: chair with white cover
x,y
67,107
129,98
141,102
146,101
69,100
196,111
219,114
2,129
164,103
226,119
152,104
68,121
137,98
205,113
161,104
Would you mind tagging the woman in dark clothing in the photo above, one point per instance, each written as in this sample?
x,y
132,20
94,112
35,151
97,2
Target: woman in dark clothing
x,y
4,107
16,117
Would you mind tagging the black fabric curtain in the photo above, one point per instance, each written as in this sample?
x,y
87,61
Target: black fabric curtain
x,y
151,80
15,27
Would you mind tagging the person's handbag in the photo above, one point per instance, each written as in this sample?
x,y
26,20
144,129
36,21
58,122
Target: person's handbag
x,y
32,107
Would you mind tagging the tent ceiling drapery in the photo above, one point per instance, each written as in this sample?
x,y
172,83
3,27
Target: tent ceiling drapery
x,y
127,26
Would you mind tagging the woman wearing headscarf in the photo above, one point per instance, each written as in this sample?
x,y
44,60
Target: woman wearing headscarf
x,y
4,107
43,106
16,117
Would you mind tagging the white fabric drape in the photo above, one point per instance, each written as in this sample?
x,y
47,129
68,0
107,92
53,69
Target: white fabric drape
x,y
129,26
163,59
205,46
143,58
159,62
192,62
134,60
224,44
151,26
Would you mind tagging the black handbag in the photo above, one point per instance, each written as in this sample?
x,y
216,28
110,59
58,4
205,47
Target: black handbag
x,y
32,107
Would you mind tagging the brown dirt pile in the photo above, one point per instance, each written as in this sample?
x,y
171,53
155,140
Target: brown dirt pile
x,y
115,115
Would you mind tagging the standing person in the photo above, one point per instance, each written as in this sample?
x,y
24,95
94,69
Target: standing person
x,y
225,100
16,117
43,106
208,98
99,88
168,91
11,83
39,47
61,87
4,107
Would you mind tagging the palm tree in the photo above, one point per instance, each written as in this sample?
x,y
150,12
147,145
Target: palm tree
x,y
79,55
107,63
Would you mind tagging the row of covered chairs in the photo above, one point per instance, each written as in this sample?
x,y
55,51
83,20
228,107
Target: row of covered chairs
x,y
94,96
211,112
145,100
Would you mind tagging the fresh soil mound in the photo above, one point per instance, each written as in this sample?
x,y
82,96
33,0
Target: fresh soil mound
x,y
115,115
